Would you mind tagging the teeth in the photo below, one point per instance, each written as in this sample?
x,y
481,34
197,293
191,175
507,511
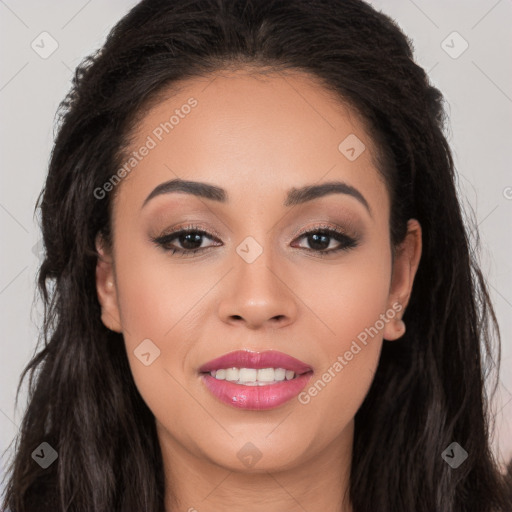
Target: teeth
x,y
247,375
232,374
253,376
280,374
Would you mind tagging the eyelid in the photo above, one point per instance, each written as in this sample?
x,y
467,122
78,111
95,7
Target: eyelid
x,y
188,226
348,230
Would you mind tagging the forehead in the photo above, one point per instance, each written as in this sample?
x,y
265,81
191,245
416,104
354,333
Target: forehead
x,y
250,133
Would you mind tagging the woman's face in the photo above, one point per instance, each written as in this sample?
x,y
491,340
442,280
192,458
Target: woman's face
x,y
257,283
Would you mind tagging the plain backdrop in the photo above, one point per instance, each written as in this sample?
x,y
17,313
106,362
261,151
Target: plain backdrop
x,y
464,45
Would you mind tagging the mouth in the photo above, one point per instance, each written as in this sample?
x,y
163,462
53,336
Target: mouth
x,y
255,380
245,366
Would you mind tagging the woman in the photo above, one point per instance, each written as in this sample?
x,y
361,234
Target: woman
x,y
258,284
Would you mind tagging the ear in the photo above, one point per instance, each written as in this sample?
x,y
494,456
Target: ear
x,y
106,287
405,265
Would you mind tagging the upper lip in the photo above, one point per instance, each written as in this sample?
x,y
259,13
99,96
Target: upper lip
x,y
249,359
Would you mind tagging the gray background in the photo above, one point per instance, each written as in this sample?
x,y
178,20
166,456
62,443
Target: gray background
x,y
476,84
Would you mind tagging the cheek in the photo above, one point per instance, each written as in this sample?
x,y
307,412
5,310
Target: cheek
x,y
156,293
348,296
156,303
160,300
352,303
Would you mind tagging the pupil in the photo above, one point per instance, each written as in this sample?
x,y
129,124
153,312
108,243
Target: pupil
x,y
316,244
188,240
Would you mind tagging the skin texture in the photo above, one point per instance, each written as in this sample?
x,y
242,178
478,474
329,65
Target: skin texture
x,y
256,137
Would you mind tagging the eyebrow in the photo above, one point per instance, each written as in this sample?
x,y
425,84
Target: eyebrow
x,y
295,196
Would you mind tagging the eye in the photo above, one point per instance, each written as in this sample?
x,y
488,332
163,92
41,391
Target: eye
x,y
184,241
321,237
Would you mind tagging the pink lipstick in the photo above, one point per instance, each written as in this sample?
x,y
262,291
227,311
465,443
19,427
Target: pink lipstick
x,y
255,380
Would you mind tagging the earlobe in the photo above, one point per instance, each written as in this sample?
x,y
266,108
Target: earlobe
x,y
394,329
404,271
106,289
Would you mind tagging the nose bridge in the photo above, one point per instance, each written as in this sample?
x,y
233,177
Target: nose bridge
x,y
252,268
257,293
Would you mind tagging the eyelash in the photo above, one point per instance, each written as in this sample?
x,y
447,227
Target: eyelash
x,y
346,242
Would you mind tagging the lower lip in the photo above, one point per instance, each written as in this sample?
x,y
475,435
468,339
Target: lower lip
x,y
256,398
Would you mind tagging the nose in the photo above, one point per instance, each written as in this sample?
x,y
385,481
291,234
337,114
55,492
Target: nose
x,y
257,296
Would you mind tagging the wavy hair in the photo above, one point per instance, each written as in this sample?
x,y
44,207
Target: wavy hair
x,y
430,386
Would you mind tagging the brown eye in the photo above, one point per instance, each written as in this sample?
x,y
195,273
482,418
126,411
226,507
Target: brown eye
x,y
184,241
321,238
